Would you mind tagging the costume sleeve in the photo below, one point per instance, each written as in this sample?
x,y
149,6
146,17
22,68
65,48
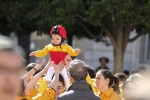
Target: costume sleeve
x,y
46,95
71,51
89,80
42,53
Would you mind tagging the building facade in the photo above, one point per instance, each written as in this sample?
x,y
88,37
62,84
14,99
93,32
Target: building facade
x,y
137,53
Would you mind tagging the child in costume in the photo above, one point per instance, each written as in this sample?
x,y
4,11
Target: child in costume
x,y
57,50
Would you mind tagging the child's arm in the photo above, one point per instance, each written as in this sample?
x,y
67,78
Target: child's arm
x,y
71,51
40,53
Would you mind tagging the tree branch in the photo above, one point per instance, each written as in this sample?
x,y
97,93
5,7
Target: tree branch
x,y
110,36
78,15
140,21
137,23
88,31
134,38
126,35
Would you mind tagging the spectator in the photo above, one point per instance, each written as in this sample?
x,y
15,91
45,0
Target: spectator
x,y
49,93
11,66
80,89
103,61
129,87
122,77
61,86
136,88
126,72
108,84
91,71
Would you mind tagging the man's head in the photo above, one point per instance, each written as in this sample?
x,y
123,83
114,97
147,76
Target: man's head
x,y
122,77
10,70
78,70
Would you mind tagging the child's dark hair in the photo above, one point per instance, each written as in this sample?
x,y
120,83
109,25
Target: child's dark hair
x,y
114,81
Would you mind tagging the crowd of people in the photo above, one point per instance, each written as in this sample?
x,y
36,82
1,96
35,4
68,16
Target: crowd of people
x,y
72,80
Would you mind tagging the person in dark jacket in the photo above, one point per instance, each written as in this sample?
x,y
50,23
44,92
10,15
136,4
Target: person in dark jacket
x,y
80,89
103,61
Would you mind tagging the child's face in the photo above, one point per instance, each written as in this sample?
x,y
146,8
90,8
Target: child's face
x,y
56,39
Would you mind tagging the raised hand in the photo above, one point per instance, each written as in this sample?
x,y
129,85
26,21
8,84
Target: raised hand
x,y
32,53
58,68
77,50
40,64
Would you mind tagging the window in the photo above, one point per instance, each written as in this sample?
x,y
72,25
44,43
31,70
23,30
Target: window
x,y
145,49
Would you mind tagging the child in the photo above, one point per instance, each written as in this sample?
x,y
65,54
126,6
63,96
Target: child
x,y
57,49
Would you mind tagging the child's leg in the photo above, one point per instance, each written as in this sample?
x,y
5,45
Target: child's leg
x,y
50,74
66,78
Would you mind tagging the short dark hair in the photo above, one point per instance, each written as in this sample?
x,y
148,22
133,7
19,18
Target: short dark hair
x,y
78,70
91,71
107,60
126,72
121,76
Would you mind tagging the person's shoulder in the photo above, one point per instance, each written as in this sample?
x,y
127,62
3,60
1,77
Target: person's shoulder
x,y
95,96
65,95
64,44
49,45
115,96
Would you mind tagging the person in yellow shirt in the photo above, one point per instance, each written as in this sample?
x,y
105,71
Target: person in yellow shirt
x,y
49,93
108,84
57,49
122,78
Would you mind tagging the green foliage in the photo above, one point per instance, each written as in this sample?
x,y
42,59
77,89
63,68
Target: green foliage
x,y
41,15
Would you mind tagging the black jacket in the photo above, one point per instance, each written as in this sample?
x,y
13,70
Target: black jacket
x,y
79,91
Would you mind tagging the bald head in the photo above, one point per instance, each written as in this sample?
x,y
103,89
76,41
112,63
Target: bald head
x,y
78,70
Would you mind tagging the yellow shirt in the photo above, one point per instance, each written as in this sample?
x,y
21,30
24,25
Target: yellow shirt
x,y
64,48
110,95
46,95
33,92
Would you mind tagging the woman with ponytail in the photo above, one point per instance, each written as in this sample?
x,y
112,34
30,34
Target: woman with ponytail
x,y
108,84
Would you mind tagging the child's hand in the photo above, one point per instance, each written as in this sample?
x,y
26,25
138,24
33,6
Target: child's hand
x,y
77,50
32,53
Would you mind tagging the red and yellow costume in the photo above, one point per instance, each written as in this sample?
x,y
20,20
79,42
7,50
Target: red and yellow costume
x,y
57,52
